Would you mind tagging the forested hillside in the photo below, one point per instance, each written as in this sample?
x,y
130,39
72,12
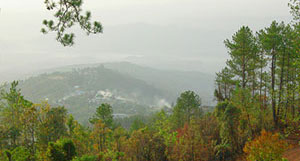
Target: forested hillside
x,y
257,116
82,90
172,81
130,89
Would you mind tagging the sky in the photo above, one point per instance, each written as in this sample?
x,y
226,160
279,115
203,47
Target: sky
x,y
164,34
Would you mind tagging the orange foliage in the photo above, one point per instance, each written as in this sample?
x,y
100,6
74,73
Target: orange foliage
x,y
266,147
145,146
191,144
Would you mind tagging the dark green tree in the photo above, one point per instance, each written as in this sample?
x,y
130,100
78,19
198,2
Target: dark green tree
x,y
242,50
71,125
54,152
225,84
62,150
104,113
69,149
228,117
187,106
271,43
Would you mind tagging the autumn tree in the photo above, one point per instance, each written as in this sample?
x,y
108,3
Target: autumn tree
x,y
143,145
30,127
194,143
12,107
100,136
266,147
81,139
119,136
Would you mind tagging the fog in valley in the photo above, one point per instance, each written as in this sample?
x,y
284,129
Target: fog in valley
x,y
149,80
183,35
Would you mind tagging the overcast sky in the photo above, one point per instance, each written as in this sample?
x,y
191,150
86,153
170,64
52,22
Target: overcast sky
x,y
169,34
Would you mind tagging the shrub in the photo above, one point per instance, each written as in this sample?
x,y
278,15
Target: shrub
x,y
266,147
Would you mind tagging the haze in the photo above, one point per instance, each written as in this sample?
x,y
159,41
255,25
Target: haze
x,y
165,34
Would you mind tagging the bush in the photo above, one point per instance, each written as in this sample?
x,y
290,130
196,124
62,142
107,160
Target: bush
x,y
266,147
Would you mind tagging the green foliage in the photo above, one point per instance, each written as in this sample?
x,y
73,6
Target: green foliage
x,y
223,151
54,152
110,155
61,88
259,86
19,154
62,150
52,126
251,97
242,50
127,122
104,113
225,84
187,107
12,105
67,14
81,139
162,124
228,116
271,37
295,9
274,88
86,158
69,149
137,124
71,124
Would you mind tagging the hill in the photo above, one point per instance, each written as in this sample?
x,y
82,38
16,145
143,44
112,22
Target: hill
x,y
81,90
131,89
173,81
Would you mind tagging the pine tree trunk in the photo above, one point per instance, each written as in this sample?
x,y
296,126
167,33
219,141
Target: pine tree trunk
x,y
260,85
273,89
243,73
280,86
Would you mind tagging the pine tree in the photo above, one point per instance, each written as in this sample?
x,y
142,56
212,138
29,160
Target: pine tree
x,y
271,43
242,50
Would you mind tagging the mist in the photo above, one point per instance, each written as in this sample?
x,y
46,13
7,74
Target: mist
x,y
165,34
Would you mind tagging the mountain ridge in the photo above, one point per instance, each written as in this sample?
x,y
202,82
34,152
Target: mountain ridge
x,y
130,88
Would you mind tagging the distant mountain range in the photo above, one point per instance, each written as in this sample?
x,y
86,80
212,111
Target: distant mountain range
x,y
173,81
130,88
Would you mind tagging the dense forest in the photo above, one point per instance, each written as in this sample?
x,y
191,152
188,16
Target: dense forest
x,y
258,112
